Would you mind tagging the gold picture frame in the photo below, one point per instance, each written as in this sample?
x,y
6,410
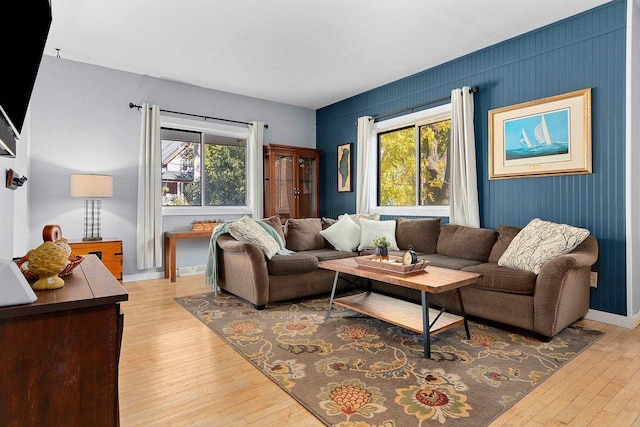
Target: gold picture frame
x,y
344,167
545,137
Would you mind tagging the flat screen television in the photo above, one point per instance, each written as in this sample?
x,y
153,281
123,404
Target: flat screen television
x,y
23,38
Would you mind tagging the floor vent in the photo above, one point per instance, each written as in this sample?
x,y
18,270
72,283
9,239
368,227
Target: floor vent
x,y
191,270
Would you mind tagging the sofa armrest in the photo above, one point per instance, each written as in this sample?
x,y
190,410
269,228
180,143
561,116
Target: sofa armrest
x,y
249,277
562,288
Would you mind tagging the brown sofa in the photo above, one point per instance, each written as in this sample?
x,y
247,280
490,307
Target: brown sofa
x,y
544,303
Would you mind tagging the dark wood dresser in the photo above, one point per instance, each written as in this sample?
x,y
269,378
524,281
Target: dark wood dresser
x,y
59,355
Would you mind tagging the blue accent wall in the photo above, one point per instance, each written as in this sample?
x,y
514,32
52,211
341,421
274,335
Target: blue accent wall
x,y
584,51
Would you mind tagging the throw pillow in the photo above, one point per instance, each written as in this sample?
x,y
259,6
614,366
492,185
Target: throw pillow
x,y
538,242
506,233
370,229
326,223
357,217
246,230
344,235
419,233
276,223
304,234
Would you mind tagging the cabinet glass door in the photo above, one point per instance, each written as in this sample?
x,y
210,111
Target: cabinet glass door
x,y
307,197
284,186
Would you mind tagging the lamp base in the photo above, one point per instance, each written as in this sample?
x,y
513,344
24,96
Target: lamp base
x,y
91,221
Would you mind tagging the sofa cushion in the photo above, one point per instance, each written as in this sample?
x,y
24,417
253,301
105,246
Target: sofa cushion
x,y
459,241
299,262
419,233
453,263
503,279
540,241
326,223
371,229
329,254
304,234
344,235
506,233
276,222
247,230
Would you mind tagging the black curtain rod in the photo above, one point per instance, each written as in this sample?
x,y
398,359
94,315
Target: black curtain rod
x,y
444,98
132,105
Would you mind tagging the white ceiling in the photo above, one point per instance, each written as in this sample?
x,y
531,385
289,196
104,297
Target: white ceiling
x,y
299,52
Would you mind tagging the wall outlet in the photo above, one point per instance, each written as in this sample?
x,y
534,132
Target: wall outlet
x,y
593,281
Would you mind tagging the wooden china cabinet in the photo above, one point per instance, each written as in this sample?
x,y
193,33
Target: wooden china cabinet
x,y
291,181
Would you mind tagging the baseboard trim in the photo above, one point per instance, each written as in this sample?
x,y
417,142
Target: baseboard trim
x,y
143,276
191,270
629,322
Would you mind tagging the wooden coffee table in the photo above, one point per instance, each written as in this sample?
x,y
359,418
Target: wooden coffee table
x,y
415,317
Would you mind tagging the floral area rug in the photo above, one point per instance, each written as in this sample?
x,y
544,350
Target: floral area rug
x,y
352,370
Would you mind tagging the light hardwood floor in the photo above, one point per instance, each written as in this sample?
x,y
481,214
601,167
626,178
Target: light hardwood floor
x,y
175,371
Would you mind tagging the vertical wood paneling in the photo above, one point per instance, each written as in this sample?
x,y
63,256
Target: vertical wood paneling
x,y
587,50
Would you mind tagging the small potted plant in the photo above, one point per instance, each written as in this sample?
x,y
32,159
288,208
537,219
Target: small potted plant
x,y
381,245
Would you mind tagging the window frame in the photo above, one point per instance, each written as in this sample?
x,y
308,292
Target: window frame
x,y
212,129
431,115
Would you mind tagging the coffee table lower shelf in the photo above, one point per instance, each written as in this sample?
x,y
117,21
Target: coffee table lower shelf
x,y
398,312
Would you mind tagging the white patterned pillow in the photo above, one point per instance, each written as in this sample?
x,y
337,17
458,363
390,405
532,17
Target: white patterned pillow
x,y
370,230
247,230
357,217
539,242
344,235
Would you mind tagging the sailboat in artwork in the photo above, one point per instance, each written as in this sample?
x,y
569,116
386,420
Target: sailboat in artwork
x,y
542,146
541,132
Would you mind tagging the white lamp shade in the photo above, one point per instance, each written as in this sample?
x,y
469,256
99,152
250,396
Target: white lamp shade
x,y
91,186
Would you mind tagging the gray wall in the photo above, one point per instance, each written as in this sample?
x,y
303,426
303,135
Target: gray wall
x,y
81,123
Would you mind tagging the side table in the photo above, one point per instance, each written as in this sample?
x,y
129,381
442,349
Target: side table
x,y
109,251
170,238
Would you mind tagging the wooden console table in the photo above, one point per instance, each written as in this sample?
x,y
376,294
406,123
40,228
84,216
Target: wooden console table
x,y
60,354
170,238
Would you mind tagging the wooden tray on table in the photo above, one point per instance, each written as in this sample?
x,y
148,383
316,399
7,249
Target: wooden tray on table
x,y
394,265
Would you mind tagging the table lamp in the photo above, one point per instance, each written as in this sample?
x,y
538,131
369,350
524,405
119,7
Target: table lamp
x,y
91,187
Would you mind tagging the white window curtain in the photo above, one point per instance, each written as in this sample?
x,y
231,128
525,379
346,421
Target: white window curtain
x,y
365,159
255,166
464,182
149,231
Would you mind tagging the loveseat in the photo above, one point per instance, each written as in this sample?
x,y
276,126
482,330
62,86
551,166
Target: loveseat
x,y
544,301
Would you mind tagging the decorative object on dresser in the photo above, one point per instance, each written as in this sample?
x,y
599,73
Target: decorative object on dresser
x,y
39,268
109,251
291,181
59,358
47,261
92,188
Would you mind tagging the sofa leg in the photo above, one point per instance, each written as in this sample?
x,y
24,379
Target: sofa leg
x,y
260,307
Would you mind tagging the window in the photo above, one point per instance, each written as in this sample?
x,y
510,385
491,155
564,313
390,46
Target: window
x,y
203,165
413,153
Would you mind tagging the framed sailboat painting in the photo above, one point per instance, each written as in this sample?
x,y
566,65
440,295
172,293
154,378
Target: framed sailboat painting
x,y
550,136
